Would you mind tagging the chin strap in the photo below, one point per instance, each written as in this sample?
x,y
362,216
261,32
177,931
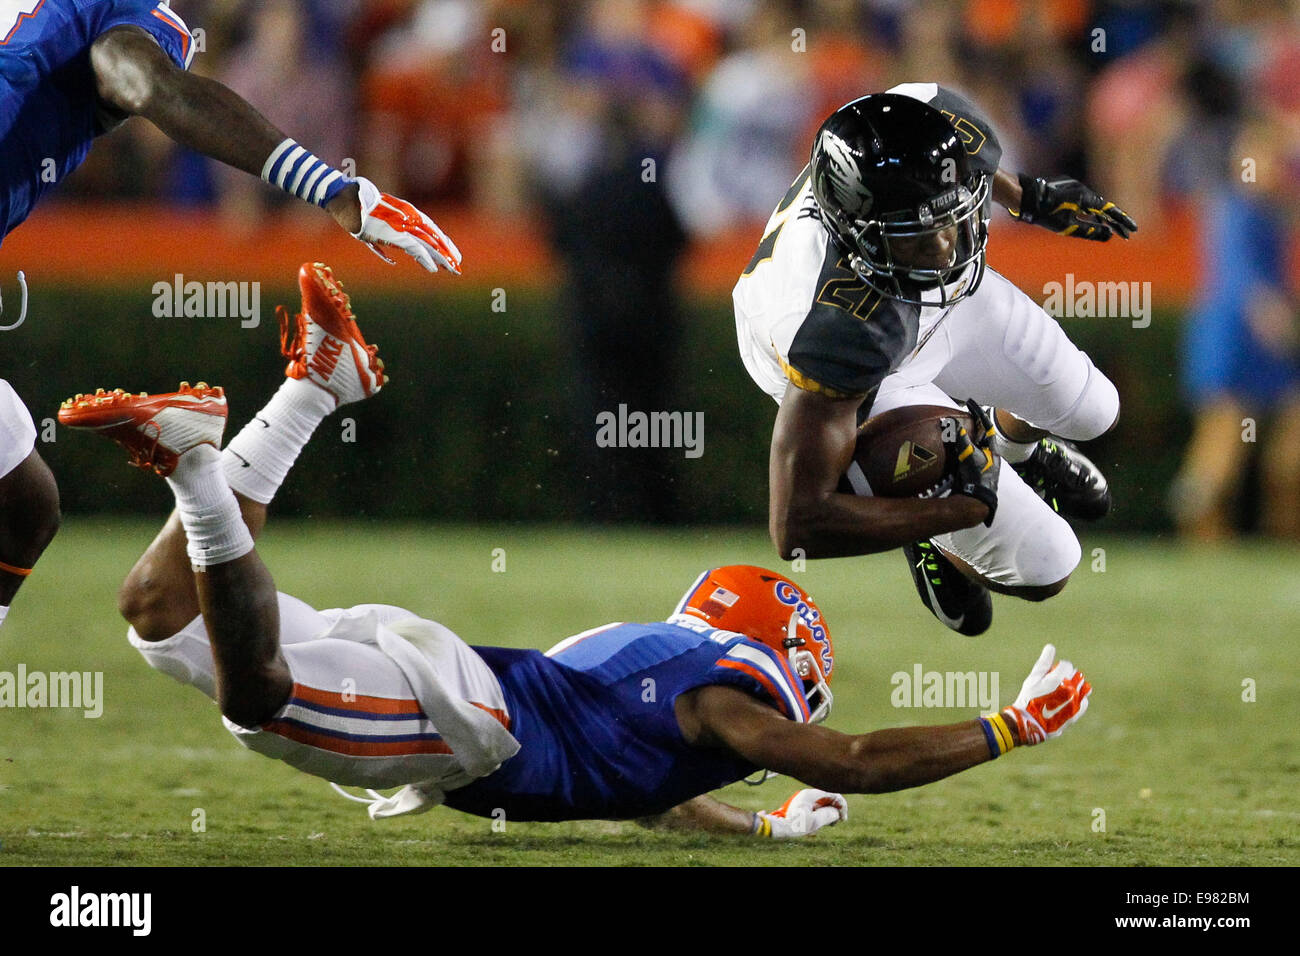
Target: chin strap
x,y
22,311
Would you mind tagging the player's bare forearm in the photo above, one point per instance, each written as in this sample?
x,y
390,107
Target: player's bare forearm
x,y
135,76
838,525
703,813
1006,190
812,445
878,762
905,757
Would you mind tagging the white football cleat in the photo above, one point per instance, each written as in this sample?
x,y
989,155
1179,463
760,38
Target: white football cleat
x,y
323,342
155,429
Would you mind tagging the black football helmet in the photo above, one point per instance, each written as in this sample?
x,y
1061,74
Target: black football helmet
x,y
893,185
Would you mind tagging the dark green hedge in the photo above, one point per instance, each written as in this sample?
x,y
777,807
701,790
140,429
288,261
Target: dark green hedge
x,y
477,423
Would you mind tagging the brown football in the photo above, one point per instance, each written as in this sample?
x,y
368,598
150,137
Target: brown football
x,y
900,453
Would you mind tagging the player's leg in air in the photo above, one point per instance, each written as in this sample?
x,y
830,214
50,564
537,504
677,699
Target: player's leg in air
x,y
159,597
177,436
29,498
322,691
1040,393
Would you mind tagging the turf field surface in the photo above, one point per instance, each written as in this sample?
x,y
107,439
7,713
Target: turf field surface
x,y
1170,766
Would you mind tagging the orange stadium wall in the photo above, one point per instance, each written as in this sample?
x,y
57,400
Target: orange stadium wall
x,y
55,246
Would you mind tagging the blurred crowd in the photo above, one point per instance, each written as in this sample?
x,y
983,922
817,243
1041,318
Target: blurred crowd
x,y
510,105
626,126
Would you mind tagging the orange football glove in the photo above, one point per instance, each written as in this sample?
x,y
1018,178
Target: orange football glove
x,y
1053,696
389,221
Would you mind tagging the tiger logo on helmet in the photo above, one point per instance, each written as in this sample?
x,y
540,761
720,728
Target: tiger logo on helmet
x,y
769,608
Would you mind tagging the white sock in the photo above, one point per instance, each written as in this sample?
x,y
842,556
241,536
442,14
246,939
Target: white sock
x,y
214,529
257,460
4,612
1014,452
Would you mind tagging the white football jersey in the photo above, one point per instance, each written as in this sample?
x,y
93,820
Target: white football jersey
x,y
804,316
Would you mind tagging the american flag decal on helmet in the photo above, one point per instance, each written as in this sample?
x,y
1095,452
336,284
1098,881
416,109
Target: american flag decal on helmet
x,y
719,601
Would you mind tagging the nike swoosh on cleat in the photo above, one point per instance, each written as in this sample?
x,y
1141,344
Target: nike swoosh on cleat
x,y
937,609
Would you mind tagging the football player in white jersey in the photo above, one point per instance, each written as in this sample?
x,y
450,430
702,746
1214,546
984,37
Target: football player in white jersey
x,y
869,292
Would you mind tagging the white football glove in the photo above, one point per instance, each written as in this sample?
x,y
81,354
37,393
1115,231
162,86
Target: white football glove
x,y
1053,696
803,814
389,221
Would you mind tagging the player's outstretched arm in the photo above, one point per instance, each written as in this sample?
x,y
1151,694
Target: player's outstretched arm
x,y
1063,205
812,445
1053,697
136,77
806,812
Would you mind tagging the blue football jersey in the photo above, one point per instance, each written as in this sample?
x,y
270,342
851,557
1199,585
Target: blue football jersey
x,y
49,112
598,732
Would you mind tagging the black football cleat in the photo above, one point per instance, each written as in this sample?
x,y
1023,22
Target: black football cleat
x,y
1063,476
956,600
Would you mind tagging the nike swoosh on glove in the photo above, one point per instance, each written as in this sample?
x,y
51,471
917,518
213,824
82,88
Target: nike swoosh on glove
x,y
1053,696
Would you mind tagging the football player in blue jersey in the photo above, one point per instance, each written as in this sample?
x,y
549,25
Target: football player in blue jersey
x,y
71,70
619,722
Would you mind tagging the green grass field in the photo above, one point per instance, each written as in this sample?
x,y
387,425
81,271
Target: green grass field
x,y
1184,771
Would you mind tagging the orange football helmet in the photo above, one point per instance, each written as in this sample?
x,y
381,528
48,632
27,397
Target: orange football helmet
x,y
769,608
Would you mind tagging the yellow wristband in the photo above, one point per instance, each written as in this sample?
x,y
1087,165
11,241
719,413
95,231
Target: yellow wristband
x,y
1000,735
762,826
1006,738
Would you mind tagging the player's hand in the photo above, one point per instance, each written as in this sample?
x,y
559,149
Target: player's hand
x,y
389,221
982,427
804,813
1068,207
976,473
1053,696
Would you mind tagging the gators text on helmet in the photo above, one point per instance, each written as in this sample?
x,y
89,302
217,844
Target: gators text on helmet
x,y
771,609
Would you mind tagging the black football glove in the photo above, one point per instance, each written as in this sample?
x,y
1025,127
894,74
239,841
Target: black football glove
x,y
976,471
1068,207
982,428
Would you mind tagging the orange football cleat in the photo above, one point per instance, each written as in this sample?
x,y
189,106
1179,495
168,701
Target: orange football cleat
x,y
323,342
155,429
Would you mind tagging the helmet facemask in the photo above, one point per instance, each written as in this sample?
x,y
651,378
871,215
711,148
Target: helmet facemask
x,y
805,664
873,245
